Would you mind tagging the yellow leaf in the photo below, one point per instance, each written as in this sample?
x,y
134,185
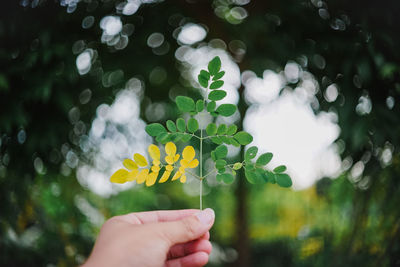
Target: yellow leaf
x,y
132,175
164,177
188,153
176,175
155,168
170,149
169,168
154,152
183,179
120,176
151,178
184,163
142,177
193,163
130,164
140,160
169,159
156,162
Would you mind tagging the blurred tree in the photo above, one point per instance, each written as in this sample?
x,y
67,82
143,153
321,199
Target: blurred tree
x,y
352,46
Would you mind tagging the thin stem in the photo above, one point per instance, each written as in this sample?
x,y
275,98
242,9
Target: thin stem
x,y
201,169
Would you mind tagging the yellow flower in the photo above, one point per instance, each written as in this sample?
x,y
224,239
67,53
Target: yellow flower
x,y
170,158
187,161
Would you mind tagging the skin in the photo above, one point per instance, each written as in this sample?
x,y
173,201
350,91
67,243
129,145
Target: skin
x,y
158,238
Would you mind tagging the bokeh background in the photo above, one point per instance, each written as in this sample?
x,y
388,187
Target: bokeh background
x,y
317,83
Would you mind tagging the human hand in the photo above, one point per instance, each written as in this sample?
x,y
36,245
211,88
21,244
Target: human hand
x,y
155,238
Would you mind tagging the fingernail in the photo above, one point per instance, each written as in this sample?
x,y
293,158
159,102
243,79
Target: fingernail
x,y
206,216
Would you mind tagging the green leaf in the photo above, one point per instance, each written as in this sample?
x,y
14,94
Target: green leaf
x,y
226,109
202,81
211,106
270,177
283,180
184,103
181,125
237,165
264,159
250,153
205,74
244,138
225,139
222,129
214,114
216,84
216,140
231,129
254,177
280,169
200,105
178,137
225,177
203,78
192,125
186,138
234,142
171,126
213,157
211,129
214,66
219,75
220,163
221,170
163,137
216,95
155,129
221,151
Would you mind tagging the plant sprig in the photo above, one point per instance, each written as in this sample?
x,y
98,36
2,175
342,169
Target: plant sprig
x,y
221,135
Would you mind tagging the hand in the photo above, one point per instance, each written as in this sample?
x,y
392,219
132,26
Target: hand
x,y
155,238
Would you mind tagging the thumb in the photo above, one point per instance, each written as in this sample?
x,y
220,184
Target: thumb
x,y
188,228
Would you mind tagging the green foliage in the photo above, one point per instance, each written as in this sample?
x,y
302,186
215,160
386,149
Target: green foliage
x,y
192,125
171,126
216,85
226,110
283,180
216,95
185,104
155,129
200,105
39,80
214,66
251,153
225,177
181,125
219,75
221,151
211,106
222,129
280,169
211,129
243,138
264,159
231,129
203,78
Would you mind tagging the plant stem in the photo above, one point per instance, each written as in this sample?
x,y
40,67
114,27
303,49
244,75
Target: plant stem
x,y
201,169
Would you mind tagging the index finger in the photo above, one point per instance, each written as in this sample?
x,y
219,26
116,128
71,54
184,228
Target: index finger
x,y
156,216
